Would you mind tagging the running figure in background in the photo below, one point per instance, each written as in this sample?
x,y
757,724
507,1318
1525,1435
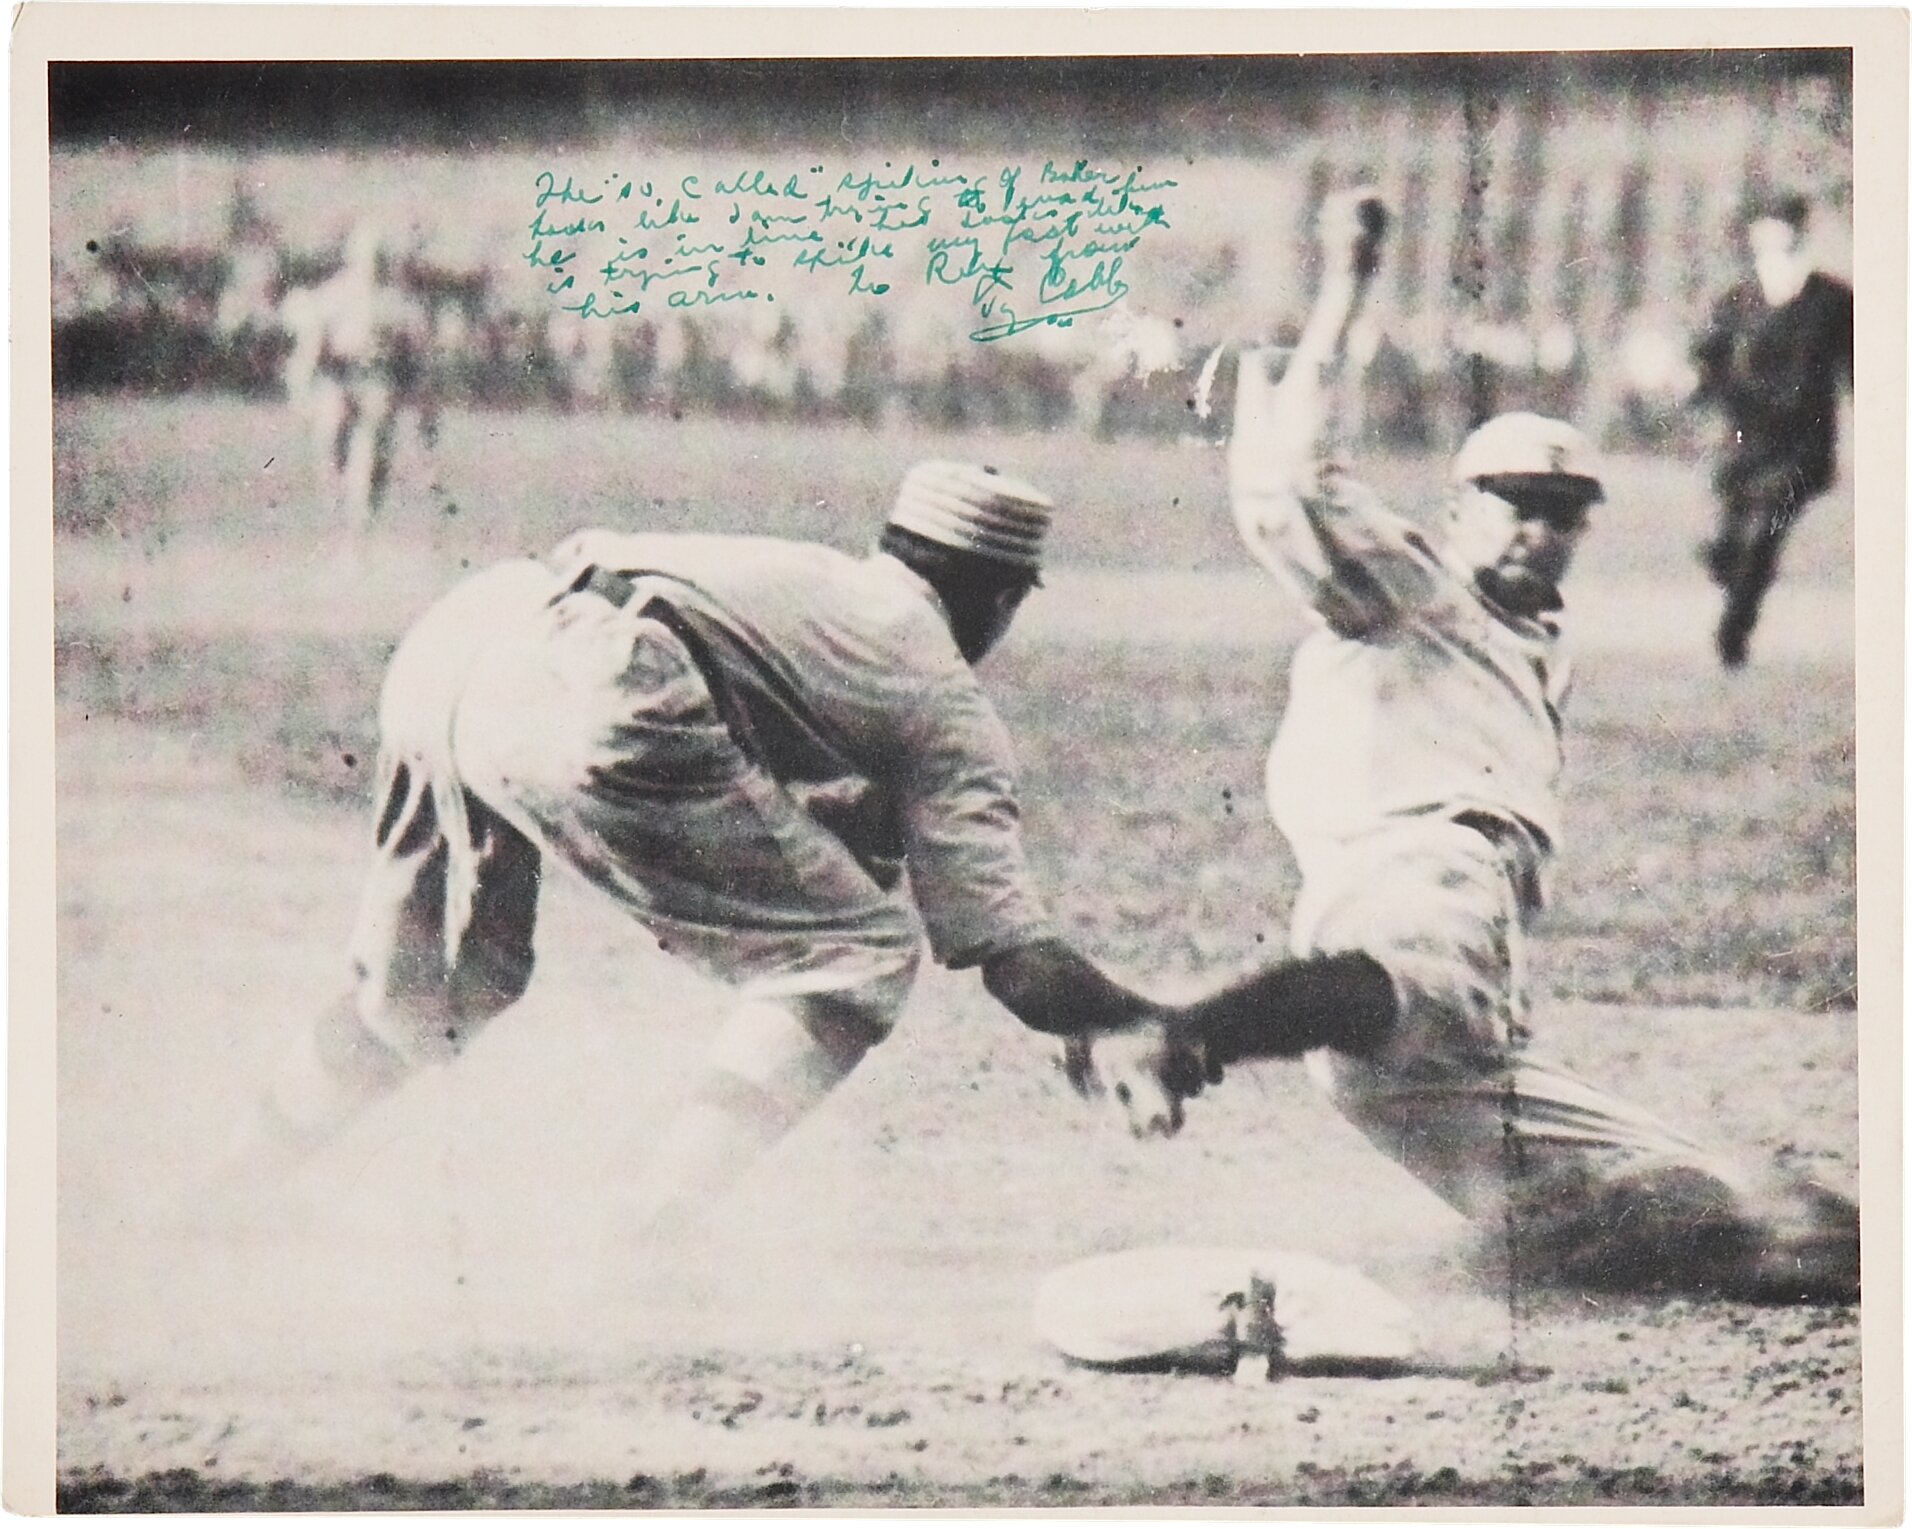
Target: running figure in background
x,y
359,355
1773,360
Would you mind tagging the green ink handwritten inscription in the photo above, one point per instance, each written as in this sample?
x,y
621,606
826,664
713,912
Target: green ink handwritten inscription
x,y
1021,246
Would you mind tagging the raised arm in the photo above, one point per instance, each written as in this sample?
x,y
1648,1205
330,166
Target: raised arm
x,y
1297,509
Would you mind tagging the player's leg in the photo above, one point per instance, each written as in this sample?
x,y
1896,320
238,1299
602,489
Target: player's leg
x,y
1722,551
442,944
746,888
384,455
602,735
322,404
1613,1218
443,937
430,404
1405,991
367,449
773,1061
1570,1184
1768,498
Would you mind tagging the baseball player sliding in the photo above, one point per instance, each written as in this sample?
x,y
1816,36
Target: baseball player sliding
x,y
744,743
1415,775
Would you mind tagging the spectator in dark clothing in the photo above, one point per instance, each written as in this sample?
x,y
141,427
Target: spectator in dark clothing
x,y
1774,356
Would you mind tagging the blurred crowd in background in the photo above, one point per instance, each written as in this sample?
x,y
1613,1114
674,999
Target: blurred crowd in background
x,y
1557,248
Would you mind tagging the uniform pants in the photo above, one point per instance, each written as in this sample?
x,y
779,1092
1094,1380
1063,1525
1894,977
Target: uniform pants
x,y
523,723
1565,1181
1760,499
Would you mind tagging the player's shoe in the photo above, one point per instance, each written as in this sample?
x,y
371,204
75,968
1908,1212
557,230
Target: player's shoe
x,y
1731,640
1662,1229
1676,1230
1805,1249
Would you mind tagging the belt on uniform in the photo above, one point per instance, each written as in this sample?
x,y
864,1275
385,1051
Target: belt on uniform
x,y
619,589
605,584
1497,830
1507,835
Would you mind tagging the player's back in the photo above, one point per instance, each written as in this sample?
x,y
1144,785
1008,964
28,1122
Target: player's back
x,y
823,658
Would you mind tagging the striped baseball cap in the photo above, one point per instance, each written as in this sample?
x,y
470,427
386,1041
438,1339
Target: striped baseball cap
x,y
974,509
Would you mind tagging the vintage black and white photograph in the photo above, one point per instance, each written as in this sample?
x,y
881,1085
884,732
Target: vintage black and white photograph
x,y
979,773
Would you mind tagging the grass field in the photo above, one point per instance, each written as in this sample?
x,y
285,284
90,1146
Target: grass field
x,y
438,1333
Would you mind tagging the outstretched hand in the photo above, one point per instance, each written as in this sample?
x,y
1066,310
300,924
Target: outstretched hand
x,y
1352,226
1147,1068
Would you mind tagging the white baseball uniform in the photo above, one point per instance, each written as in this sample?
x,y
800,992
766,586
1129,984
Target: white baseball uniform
x,y
1414,773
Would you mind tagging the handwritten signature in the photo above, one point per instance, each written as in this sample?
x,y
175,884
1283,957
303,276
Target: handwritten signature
x,y
1024,247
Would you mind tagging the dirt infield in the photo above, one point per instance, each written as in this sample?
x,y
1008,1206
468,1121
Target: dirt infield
x,y
451,1319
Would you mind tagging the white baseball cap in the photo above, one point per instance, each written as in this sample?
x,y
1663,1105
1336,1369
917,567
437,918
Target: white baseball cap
x,y
974,509
1544,452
